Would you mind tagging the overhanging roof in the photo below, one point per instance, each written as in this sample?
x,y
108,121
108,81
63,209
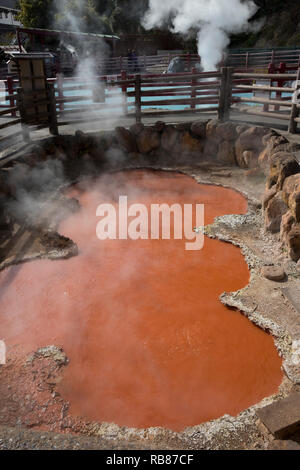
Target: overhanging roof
x,y
31,55
55,32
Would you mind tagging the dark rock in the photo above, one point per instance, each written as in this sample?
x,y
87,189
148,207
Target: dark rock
x,y
269,194
250,140
282,166
136,129
183,126
190,145
250,159
159,126
287,222
169,139
276,208
125,139
293,242
148,140
63,247
211,131
226,153
227,131
198,129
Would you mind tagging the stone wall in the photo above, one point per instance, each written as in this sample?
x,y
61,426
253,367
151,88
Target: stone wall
x,y
227,144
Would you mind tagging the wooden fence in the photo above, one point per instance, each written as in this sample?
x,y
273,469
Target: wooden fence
x,y
159,63
290,114
262,59
73,102
9,114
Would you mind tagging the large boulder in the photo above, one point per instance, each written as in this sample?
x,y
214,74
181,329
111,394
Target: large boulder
x,y
198,129
183,127
212,130
282,166
250,140
272,144
253,137
148,140
291,194
250,159
188,145
137,128
125,139
159,126
227,131
226,153
269,194
211,148
287,223
276,208
169,139
293,242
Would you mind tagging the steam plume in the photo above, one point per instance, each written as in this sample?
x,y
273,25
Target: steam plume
x,y
214,21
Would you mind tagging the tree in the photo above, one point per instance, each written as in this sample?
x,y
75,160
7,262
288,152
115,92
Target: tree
x,y
36,13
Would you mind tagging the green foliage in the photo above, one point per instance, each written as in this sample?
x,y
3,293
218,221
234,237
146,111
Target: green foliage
x,y
36,13
98,16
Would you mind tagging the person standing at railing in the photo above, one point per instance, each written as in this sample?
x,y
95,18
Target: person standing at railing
x,y
135,62
130,60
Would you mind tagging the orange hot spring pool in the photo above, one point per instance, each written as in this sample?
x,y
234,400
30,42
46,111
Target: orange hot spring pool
x,y
148,340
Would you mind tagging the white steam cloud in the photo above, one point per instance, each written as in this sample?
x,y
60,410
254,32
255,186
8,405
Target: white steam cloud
x,y
89,56
214,21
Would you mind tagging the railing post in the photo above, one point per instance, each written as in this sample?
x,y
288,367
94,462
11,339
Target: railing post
x,y
193,91
53,128
189,60
280,83
124,91
10,91
60,90
225,93
138,100
20,102
247,61
295,110
273,57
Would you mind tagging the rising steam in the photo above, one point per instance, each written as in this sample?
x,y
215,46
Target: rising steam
x,y
214,21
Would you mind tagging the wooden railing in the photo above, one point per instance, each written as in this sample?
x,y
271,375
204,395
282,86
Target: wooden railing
x,y
159,63
9,114
290,113
246,60
72,102
137,96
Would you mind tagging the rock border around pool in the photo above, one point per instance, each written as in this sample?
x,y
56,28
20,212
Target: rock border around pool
x,y
196,143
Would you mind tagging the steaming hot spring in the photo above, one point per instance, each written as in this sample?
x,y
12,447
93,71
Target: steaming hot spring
x,y
128,331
